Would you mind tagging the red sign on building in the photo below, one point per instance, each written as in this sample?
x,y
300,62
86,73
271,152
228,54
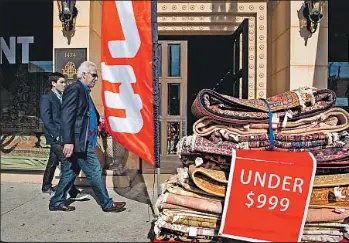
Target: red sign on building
x,y
268,195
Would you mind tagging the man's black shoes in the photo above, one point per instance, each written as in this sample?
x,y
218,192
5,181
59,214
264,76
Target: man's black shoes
x,y
62,207
116,208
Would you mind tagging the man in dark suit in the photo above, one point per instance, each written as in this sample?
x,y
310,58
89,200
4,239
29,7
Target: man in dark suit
x,y
50,113
79,122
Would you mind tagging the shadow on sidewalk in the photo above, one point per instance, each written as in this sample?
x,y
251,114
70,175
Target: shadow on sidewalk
x,y
137,189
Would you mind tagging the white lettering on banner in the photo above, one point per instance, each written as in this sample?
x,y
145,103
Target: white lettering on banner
x,y
260,179
129,47
126,98
10,50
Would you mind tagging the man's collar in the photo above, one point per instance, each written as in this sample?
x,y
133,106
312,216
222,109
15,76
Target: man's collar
x,y
56,91
85,86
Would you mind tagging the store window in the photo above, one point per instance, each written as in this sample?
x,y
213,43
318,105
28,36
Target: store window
x,y
338,49
174,69
26,33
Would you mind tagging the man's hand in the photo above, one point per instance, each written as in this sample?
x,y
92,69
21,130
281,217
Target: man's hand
x,y
68,150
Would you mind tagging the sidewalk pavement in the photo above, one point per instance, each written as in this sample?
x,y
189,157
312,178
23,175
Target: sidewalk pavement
x,y
25,216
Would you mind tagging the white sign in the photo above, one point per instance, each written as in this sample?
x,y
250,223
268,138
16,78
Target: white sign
x,y
9,50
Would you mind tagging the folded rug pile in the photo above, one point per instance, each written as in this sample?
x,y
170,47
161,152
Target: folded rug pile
x,y
305,119
328,215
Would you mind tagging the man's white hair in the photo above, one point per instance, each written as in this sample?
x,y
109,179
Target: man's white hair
x,y
85,67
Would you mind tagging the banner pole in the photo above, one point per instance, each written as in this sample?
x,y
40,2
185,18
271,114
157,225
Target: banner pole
x,y
156,91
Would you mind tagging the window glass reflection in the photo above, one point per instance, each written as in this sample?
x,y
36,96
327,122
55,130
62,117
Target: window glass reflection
x,y
174,60
160,60
161,138
40,66
172,137
173,99
20,95
160,89
338,81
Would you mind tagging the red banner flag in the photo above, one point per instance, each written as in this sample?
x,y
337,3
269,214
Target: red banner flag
x,y
268,195
127,75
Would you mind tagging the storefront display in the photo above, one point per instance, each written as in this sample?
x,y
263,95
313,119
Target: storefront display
x,y
26,61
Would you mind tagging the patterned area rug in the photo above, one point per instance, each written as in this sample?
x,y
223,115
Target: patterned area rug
x,y
334,120
326,215
211,181
301,103
331,180
330,197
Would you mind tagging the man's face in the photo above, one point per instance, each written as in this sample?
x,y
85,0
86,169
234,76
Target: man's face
x,y
59,85
91,77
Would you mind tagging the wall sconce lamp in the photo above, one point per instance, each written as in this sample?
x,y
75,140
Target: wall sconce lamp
x,y
67,16
313,12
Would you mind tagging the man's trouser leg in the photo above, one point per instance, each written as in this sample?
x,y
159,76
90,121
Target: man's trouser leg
x,y
49,171
69,170
58,151
91,167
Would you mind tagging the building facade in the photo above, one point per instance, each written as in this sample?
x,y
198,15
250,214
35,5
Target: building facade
x,y
200,45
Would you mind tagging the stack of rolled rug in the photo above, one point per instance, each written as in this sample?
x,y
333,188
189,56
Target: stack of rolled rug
x,y
191,205
305,119
328,214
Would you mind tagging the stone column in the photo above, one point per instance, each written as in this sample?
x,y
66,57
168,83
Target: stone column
x,y
95,49
298,57
87,35
308,52
82,28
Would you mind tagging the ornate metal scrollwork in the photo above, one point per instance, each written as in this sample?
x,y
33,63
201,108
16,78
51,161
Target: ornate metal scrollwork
x,y
313,12
67,15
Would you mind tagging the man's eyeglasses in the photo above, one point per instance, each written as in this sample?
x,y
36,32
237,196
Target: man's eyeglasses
x,y
94,75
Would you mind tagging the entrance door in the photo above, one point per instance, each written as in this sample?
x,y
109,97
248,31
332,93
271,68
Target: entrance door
x,y
173,102
240,55
173,108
